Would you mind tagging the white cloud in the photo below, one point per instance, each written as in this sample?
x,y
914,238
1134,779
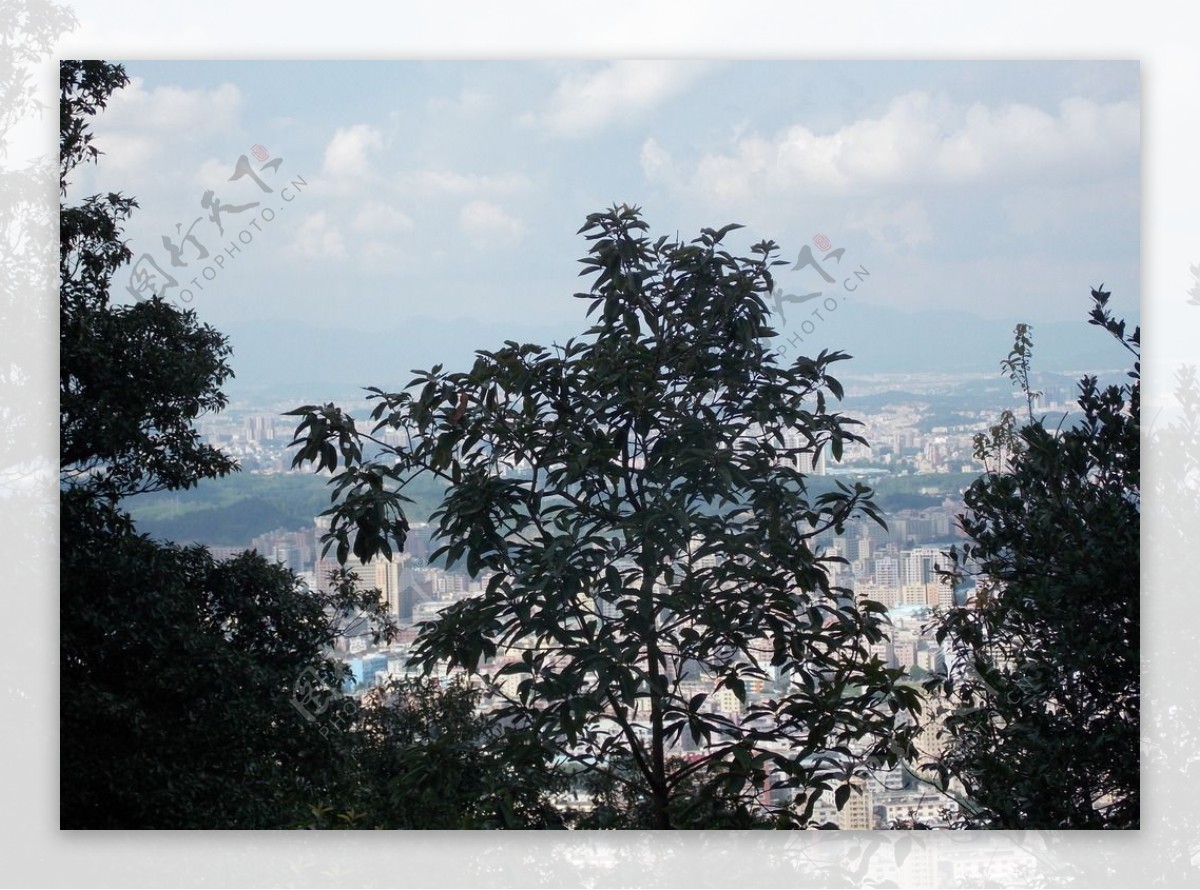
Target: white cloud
x,y
138,123
348,154
921,139
582,105
317,237
213,172
1085,136
172,109
656,161
376,217
216,174
905,224
126,153
488,223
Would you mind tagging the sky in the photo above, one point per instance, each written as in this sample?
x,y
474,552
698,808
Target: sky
x,y
1072,223
420,210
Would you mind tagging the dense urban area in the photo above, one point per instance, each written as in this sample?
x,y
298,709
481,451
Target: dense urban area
x,y
921,455
661,574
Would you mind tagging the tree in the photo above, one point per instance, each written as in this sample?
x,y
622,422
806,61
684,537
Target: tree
x,y
699,801
132,379
1043,730
636,499
420,757
181,680
179,674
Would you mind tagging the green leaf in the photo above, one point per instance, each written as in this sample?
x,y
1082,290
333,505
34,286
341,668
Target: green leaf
x,y
841,796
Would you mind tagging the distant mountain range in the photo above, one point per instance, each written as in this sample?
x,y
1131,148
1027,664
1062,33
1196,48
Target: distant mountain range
x,y
298,360
890,341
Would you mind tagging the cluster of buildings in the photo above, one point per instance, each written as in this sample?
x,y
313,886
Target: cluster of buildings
x,y
898,566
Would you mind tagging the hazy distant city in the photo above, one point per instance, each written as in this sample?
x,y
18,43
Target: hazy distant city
x,y
664,597
921,430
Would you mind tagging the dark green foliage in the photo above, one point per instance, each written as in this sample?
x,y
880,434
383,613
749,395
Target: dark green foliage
x,y
125,426
658,532
1044,726
422,758
700,801
178,677
178,674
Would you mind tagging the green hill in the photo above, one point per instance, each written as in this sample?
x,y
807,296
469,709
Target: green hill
x,y
233,510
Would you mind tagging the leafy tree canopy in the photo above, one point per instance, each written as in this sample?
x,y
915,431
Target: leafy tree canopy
x,y
132,378
421,757
178,674
637,500
1043,726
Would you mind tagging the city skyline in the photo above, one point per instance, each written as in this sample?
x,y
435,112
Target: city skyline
x,y
974,186
112,32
